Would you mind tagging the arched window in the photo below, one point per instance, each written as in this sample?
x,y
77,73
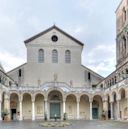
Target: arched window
x,y
124,14
41,56
124,43
67,56
54,56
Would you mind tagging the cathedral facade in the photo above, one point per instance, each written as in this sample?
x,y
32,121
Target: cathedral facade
x,y
53,82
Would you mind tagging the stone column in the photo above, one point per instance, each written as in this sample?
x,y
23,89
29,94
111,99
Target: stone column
x,y
78,109
118,109
7,104
105,108
21,115
0,110
111,110
33,110
64,107
20,106
90,101
46,108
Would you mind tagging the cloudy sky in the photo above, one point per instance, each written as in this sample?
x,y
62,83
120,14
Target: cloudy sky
x,y
92,22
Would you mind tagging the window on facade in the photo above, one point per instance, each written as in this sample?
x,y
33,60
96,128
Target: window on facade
x,y
10,83
89,76
54,56
41,56
20,73
67,56
124,40
125,14
115,80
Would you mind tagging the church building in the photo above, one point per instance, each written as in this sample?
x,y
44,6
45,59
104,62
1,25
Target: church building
x,y
53,82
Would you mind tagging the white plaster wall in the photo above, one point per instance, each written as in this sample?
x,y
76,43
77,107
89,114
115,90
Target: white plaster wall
x,y
84,109
39,107
71,108
27,107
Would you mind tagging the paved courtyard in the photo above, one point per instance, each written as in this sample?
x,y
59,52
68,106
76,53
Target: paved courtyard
x,y
75,125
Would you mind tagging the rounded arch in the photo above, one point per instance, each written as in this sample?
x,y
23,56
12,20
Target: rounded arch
x,y
114,96
55,95
71,105
39,106
85,94
39,93
55,89
27,105
71,94
122,93
27,93
11,93
14,104
97,106
84,105
98,95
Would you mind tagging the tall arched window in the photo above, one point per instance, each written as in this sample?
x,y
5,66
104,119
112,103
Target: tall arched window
x,y
54,56
67,56
41,56
124,45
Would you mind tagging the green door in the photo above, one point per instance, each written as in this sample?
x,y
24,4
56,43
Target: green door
x,y
95,113
54,109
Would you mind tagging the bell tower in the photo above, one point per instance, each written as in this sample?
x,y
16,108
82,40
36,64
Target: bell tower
x,y
122,33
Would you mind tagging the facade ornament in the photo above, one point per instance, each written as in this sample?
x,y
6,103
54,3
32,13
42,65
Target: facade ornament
x,y
55,77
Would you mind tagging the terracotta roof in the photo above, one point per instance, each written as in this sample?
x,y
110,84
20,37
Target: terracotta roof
x,y
49,29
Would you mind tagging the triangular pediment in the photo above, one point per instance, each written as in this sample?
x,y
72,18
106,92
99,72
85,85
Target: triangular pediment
x,y
51,29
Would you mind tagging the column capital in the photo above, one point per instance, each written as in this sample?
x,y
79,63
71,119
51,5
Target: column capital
x,y
78,100
20,98
45,100
33,98
90,100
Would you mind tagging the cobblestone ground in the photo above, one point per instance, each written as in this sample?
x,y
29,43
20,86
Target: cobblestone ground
x,y
75,125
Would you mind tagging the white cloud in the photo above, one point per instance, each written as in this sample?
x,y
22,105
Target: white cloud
x,y
10,61
101,59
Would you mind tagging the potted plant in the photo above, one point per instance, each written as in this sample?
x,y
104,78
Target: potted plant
x,y
5,115
103,115
65,116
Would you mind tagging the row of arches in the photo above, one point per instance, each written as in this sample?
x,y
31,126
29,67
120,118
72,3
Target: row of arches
x,y
117,104
77,106
41,56
75,109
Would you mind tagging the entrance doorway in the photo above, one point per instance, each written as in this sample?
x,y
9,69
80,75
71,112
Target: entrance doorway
x,y
95,113
55,101
54,110
13,114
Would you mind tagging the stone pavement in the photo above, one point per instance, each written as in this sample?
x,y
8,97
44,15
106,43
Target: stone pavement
x,y
75,125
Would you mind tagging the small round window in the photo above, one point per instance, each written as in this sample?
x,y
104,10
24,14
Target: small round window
x,y
54,38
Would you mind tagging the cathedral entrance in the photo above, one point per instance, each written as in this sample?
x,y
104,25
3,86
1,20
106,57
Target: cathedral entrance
x,y
55,110
55,102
